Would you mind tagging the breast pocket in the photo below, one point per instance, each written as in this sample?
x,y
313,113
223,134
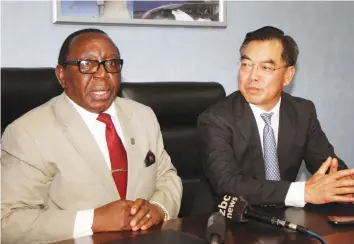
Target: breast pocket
x,y
147,177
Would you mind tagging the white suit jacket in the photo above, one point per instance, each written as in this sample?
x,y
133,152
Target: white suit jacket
x,y
52,167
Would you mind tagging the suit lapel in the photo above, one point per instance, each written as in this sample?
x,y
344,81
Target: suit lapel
x,y
131,146
247,126
81,138
286,133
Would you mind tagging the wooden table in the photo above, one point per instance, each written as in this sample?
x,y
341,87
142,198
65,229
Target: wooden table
x,y
312,217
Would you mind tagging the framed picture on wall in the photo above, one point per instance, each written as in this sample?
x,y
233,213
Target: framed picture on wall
x,y
141,12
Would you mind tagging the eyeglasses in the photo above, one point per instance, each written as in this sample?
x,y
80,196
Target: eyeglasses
x,y
88,66
262,68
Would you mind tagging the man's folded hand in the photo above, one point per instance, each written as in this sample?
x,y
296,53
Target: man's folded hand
x,y
114,216
145,215
337,186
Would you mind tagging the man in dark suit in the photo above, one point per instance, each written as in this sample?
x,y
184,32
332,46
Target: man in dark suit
x,y
254,141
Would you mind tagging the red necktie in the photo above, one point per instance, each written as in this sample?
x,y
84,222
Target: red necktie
x,y
117,155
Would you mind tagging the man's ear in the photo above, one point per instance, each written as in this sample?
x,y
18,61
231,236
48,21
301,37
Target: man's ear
x,y
59,72
289,75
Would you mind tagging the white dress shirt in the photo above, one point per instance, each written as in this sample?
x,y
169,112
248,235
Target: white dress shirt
x,y
84,218
296,193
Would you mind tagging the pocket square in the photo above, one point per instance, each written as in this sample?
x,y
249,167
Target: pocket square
x,y
149,159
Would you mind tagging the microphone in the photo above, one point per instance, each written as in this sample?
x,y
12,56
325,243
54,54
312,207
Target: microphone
x,y
236,209
216,228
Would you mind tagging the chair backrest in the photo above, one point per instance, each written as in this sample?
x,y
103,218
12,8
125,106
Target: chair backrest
x,y
176,105
23,89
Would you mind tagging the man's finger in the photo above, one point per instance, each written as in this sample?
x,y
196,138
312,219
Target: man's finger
x,y
334,166
139,215
142,221
147,225
344,190
344,182
324,167
342,173
342,199
349,177
136,206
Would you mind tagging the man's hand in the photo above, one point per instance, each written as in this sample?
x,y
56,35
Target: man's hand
x,y
114,216
334,169
337,186
145,215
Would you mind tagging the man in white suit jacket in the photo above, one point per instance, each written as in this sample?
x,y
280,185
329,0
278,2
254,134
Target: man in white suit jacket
x,y
56,177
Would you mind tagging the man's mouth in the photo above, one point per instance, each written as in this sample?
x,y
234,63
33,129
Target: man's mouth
x,y
253,90
100,94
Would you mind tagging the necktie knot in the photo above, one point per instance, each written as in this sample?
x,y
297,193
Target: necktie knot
x,y
105,118
267,118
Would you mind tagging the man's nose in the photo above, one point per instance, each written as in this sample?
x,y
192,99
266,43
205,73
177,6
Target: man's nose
x,y
254,72
101,72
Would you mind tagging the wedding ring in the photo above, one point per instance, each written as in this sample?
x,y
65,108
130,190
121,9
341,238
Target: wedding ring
x,y
148,215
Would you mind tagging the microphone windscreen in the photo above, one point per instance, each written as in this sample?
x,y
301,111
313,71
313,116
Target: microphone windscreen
x,y
216,226
233,208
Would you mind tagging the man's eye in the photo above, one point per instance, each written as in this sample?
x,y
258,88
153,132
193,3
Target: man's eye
x,y
111,63
267,68
86,62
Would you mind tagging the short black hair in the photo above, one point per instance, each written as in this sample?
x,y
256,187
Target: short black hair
x,y
266,33
64,50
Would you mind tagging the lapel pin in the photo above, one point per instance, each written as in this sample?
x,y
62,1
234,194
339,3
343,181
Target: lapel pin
x,y
132,140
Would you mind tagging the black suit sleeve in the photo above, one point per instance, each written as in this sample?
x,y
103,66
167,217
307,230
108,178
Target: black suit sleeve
x,y
318,148
224,173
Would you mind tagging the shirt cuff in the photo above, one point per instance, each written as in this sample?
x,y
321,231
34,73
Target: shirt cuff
x,y
163,209
296,195
83,223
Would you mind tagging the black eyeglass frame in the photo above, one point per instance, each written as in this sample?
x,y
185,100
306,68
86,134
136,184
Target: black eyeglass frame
x,y
77,63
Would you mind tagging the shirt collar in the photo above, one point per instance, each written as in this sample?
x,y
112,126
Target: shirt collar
x,y
258,111
89,117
